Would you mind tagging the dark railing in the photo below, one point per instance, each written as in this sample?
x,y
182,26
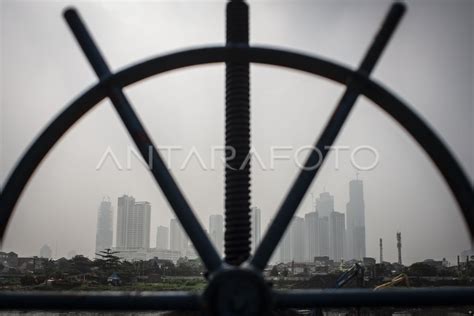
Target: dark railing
x,y
236,285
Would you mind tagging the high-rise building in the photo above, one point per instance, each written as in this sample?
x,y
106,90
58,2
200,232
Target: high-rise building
x,y
104,232
285,246
162,235
356,221
292,246
337,235
216,231
46,252
297,239
325,204
311,242
178,238
133,223
125,205
256,227
139,234
323,236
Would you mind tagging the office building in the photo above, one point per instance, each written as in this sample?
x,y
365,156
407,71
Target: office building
x,y
162,237
355,212
325,204
311,242
133,223
178,238
256,227
323,236
297,239
104,232
337,237
216,232
285,246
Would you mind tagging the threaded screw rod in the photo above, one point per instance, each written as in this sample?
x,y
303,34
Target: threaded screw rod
x,y
237,139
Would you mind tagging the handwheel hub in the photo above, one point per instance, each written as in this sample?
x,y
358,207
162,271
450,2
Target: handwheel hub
x,y
237,291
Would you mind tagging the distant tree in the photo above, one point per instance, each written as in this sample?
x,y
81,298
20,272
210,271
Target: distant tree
x,y
28,279
108,260
168,268
422,269
81,263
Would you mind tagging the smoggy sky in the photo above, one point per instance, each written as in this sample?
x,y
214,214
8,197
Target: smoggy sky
x,y
429,63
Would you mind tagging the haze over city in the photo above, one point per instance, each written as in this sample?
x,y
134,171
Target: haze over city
x,y
404,192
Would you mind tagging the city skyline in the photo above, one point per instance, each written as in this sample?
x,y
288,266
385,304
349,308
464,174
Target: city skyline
x,y
307,237
324,232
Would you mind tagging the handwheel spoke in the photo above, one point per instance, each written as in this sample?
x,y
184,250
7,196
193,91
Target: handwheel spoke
x,y
327,138
148,151
400,297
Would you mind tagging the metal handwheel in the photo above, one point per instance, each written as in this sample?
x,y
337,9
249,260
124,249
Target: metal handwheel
x,y
235,284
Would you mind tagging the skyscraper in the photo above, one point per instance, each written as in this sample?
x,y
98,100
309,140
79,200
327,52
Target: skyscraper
x,y
256,227
292,245
162,236
216,231
311,241
323,236
133,223
337,235
285,246
139,231
104,233
125,205
325,204
356,221
297,239
178,238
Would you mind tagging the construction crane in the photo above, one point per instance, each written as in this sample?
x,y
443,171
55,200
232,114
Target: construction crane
x,y
394,282
356,271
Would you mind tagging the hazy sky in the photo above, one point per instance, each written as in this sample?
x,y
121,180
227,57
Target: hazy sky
x,y
429,63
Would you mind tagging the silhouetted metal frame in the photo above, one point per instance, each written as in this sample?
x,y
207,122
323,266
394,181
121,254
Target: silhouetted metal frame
x,y
358,82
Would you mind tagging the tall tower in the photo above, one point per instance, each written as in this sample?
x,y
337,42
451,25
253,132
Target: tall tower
x,y
138,235
125,206
297,239
133,223
162,237
178,238
323,236
381,250
399,246
104,233
311,241
256,227
285,246
216,231
355,211
325,204
337,236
